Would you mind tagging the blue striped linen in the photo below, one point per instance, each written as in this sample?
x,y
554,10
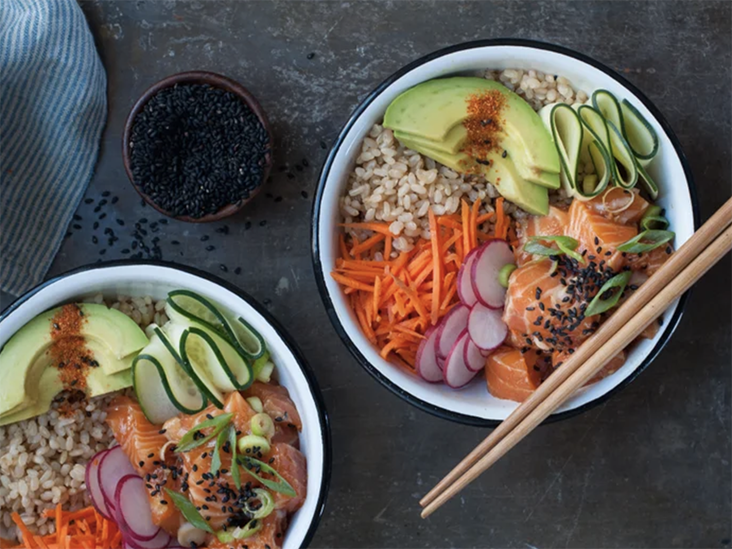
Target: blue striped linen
x,y
53,107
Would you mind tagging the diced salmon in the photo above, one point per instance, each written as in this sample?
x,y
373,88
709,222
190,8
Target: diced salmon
x,y
243,412
598,235
610,203
276,402
201,488
540,309
553,224
291,464
649,262
610,368
164,513
510,375
140,439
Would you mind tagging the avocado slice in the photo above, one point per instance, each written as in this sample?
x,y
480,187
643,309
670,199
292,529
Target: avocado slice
x,y
501,172
50,385
449,148
436,109
25,357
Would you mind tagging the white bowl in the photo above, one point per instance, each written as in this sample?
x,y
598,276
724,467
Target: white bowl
x,y
473,404
156,279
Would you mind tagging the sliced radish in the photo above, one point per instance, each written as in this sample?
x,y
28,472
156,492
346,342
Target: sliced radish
x,y
133,513
464,280
486,327
449,329
473,356
484,273
161,540
457,373
91,478
112,468
427,366
441,363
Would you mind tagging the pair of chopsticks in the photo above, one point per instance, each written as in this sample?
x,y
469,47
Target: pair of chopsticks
x,y
692,260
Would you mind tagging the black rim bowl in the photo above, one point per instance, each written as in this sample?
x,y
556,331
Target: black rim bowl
x,y
289,343
670,324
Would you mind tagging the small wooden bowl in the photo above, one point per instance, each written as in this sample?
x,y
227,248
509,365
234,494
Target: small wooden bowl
x,y
216,81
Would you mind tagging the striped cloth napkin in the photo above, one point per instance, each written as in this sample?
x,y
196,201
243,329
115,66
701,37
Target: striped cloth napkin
x,y
53,106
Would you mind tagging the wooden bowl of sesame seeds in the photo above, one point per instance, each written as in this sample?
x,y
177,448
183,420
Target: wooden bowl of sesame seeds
x,y
197,146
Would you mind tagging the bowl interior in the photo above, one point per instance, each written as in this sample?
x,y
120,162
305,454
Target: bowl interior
x,y
216,81
474,401
157,281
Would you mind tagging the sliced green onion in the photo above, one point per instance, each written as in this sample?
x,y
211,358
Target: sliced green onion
x,y
262,425
256,404
216,457
255,467
598,304
505,273
565,245
253,445
653,219
189,511
265,374
647,241
235,474
189,441
265,507
240,532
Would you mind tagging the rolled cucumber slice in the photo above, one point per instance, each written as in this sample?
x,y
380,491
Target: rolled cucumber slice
x,y
186,305
639,133
148,380
162,385
236,365
205,362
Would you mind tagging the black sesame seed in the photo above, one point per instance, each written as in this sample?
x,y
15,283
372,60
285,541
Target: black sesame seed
x,y
311,55
210,248
224,268
89,201
237,270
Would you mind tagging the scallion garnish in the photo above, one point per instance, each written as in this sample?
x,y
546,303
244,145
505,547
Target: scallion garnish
x,y
240,532
599,304
189,511
190,440
565,245
216,457
505,273
254,467
266,504
653,219
234,463
646,241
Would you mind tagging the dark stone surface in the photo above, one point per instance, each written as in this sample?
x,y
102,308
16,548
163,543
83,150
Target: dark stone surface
x,y
651,467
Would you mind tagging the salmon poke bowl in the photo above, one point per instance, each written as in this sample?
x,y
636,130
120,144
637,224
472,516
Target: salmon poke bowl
x,y
150,406
484,211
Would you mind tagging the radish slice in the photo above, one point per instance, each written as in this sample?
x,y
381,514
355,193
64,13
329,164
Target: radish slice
x,y
112,468
441,363
484,273
91,478
449,329
473,356
464,280
427,366
486,328
134,515
457,373
161,540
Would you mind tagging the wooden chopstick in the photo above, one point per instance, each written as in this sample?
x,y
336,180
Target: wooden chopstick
x,y
623,320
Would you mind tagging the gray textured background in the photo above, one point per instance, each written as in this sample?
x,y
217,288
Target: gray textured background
x,y
649,468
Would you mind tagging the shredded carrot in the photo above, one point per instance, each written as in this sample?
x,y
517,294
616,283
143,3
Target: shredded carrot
x,y
74,530
396,299
387,246
483,218
355,284
382,228
474,224
437,269
367,244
